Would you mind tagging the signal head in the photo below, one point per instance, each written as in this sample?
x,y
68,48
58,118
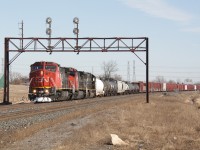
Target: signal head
x,y
48,20
76,20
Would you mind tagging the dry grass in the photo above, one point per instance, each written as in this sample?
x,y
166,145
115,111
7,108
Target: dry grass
x,y
18,94
166,123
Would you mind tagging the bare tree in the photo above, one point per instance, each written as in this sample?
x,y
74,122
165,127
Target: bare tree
x,y
198,82
160,79
179,81
14,76
109,68
117,77
188,80
171,81
17,78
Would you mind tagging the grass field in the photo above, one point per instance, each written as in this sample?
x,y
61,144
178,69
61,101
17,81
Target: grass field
x,y
169,121
18,94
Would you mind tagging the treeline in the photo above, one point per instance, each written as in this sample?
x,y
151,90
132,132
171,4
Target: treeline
x,y
18,78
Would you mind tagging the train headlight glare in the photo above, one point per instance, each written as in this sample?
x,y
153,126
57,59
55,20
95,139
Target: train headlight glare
x,y
34,91
46,91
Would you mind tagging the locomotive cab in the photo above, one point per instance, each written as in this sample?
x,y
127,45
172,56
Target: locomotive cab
x,y
44,80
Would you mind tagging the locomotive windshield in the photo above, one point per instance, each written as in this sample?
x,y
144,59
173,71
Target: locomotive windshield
x,y
34,68
51,68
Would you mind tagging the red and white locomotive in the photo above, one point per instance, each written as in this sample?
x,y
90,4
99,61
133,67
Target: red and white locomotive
x,y
50,82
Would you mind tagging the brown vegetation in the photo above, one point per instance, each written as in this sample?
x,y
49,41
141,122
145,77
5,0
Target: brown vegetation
x,y
18,94
166,123
169,121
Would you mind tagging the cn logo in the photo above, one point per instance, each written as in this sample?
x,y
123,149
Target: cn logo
x,y
41,79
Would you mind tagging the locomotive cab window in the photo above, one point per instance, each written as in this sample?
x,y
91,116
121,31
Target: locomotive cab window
x,y
72,73
34,68
51,68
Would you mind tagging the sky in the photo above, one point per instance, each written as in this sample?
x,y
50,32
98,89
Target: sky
x,y
172,26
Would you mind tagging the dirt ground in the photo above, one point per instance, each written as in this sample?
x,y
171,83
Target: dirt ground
x,y
170,121
18,94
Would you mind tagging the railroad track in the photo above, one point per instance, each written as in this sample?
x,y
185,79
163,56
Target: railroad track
x,y
45,108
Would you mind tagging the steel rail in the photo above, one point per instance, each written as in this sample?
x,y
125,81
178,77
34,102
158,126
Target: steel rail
x,y
52,108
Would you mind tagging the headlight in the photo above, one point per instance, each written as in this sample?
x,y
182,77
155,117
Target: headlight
x,y
34,91
46,91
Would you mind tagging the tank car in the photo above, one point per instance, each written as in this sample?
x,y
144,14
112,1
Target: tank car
x,y
130,88
99,85
121,87
136,87
113,87
107,87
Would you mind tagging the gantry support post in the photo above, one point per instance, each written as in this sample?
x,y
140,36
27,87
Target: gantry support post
x,y
6,73
147,70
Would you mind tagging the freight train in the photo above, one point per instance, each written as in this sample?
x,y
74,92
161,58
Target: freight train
x,y
51,82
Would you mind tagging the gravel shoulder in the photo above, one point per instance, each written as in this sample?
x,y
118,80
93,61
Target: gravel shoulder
x,y
51,137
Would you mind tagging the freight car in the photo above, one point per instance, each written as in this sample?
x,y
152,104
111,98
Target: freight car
x,y
168,87
51,82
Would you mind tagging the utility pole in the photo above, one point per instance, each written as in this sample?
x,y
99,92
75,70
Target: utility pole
x,y
128,72
134,76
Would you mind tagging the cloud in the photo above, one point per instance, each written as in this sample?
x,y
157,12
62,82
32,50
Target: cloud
x,y
193,30
159,8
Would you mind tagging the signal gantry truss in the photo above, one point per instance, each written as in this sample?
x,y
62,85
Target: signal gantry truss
x,y
77,45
